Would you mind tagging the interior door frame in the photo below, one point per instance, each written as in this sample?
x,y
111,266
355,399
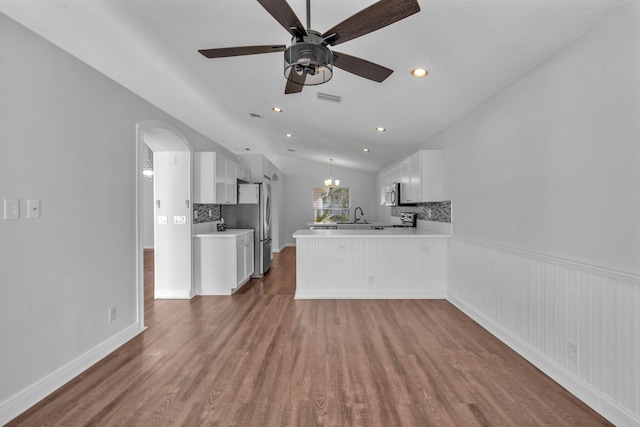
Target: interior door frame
x,y
142,128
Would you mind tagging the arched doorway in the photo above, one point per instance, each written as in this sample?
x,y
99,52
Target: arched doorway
x,y
172,211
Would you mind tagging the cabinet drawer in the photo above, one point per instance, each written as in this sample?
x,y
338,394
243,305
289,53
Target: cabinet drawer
x,y
244,239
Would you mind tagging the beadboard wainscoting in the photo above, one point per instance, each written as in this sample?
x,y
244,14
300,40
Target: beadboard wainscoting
x,y
578,323
371,268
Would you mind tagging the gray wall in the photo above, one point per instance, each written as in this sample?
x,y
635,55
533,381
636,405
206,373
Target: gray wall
x,y
544,179
552,164
302,177
67,138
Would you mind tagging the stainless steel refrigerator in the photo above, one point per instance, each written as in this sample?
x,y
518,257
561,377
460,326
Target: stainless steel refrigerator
x,y
253,211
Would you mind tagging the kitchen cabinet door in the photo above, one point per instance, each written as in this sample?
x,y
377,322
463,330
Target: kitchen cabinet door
x,y
431,170
204,177
383,181
222,264
226,182
410,190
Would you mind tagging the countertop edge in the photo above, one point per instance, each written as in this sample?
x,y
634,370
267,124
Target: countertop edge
x,y
231,232
369,234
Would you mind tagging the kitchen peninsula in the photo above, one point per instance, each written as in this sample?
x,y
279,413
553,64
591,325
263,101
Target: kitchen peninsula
x,y
393,263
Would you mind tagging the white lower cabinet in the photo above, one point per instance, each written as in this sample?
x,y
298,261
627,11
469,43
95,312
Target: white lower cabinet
x,y
223,262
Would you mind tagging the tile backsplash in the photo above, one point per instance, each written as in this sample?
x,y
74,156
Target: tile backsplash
x,y
440,211
205,213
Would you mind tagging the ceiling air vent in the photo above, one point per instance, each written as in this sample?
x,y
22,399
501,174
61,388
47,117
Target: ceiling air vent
x,y
255,115
328,97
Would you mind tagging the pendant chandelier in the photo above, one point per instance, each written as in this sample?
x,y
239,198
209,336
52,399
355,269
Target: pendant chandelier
x,y
330,183
147,169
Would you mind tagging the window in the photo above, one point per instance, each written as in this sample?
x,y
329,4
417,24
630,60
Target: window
x,y
331,205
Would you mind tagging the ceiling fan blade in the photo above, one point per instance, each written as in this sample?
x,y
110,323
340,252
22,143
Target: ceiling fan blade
x,y
374,17
283,13
241,50
296,85
361,67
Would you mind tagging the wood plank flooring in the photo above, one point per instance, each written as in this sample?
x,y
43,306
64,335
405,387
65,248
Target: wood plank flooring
x,y
261,358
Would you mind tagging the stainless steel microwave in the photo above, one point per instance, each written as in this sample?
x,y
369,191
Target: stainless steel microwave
x,y
392,194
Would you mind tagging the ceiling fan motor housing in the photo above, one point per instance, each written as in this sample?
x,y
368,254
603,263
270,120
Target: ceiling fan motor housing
x,y
308,61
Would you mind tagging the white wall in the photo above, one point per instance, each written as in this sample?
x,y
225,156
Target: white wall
x,y
545,184
173,251
147,204
302,177
551,164
67,138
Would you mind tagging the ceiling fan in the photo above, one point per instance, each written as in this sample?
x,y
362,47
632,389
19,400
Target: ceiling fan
x,y
308,60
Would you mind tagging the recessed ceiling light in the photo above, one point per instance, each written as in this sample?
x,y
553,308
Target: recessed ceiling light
x,y
277,110
380,129
419,73
289,135
366,150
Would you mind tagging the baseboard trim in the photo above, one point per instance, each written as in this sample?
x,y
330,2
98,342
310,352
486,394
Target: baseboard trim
x,y
369,295
280,249
25,399
592,397
172,294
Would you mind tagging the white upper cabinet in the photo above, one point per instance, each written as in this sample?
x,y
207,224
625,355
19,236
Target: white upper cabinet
x,y
243,173
215,179
419,175
431,176
204,177
226,182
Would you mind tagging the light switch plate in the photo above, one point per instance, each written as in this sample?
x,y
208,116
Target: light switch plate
x,y
11,208
33,209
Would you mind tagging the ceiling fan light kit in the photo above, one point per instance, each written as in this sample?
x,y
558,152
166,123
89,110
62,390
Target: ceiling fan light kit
x,y
308,60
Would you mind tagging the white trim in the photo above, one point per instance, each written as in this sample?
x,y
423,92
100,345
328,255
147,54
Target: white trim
x,y
607,273
141,127
280,249
522,268
25,399
174,294
391,294
599,402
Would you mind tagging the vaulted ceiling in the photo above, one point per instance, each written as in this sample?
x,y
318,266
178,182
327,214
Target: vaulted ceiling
x,y
471,49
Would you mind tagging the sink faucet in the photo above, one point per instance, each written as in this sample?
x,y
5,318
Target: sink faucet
x,y
355,214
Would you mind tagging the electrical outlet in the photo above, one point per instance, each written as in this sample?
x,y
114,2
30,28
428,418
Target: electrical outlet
x,y
112,314
11,209
371,280
572,352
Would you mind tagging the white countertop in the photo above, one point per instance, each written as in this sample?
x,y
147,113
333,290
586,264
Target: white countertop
x,y
369,233
231,232
375,223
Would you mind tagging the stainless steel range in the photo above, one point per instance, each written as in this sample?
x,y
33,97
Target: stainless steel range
x,y
407,219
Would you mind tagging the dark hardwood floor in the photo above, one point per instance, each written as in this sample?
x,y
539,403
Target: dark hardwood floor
x,y
261,358
149,289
